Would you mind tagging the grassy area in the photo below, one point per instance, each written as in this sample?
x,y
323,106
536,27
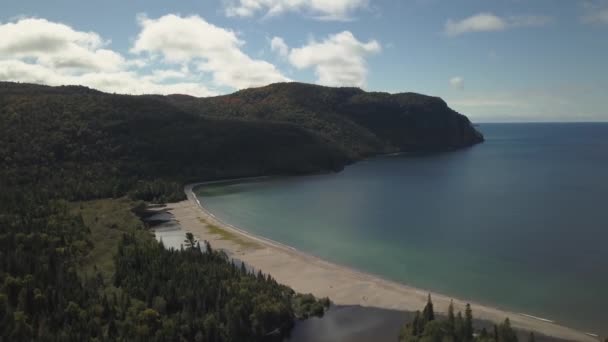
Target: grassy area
x,y
230,236
107,219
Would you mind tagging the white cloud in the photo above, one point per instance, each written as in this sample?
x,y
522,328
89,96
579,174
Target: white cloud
x,y
123,82
457,82
339,60
39,51
488,22
211,48
320,9
277,44
57,45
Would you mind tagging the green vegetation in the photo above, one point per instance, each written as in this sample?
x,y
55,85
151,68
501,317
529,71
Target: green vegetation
x,y
360,123
80,144
227,235
107,220
89,271
75,262
426,327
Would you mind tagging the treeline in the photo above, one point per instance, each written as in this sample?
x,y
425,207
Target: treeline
x,y
154,294
427,327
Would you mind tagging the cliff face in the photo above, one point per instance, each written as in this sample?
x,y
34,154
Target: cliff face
x,y
361,123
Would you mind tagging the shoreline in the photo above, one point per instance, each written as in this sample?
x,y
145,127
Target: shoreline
x,y
344,285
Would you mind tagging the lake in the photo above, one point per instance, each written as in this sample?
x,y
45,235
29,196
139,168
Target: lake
x,y
519,222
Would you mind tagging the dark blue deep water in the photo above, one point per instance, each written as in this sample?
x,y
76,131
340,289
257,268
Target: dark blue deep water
x,y
519,222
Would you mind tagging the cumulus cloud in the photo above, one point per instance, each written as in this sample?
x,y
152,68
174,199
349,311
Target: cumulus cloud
x,y
40,51
171,54
488,22
57,46
124,82
212,49
277,44
457,82
339,60
320,9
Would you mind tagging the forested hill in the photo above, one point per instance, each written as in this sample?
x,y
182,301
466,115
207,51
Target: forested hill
x,y
80,143
361,123
75,270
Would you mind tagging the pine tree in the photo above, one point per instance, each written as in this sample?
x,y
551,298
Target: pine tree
x,y
428,314
506,332
190,241
451,319
483,335
416,325
468,323
459,327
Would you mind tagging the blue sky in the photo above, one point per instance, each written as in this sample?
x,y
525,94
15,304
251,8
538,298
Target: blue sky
x,y
509,60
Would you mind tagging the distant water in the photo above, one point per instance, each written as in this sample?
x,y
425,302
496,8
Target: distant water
x,y
519,222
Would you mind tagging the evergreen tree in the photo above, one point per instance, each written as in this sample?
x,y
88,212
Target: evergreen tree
x,y
484,335
506,332
451,322
190,241
468,323
428,314
459,328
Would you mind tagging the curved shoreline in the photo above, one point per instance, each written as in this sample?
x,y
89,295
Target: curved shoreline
x,y
342,284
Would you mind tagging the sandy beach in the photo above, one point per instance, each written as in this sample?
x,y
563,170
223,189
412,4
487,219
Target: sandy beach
x,y
344,286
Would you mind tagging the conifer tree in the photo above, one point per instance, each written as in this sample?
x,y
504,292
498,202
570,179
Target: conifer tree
x,y
428,314
468,323
506,332
416,324
459,327
451,319
190,241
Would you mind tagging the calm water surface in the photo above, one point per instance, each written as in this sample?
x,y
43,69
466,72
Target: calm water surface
x,y
519,222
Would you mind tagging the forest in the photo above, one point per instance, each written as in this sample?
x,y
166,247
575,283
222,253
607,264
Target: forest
x,y
428,327
60,281
76,264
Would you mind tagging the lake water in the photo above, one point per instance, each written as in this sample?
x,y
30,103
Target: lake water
x,y
519,222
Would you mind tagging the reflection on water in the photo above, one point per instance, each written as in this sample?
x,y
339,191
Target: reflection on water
x,y
352,324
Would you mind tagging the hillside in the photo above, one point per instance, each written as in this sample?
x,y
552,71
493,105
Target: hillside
x,y
78,141
362,123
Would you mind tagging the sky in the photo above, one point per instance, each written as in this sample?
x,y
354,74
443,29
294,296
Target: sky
x,y
494,61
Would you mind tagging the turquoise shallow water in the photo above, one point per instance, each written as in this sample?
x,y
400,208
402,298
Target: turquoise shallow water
x,y
519,222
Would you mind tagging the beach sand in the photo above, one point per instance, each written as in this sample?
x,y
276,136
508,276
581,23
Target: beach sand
x,y
344,286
